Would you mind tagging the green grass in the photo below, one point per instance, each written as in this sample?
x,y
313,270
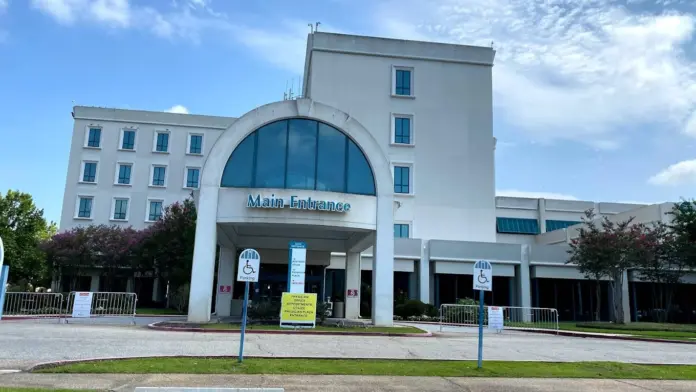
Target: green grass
x,y
317,328
642,330
381,368
158,311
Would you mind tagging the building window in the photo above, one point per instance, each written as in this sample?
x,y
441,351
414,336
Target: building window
x,y
401,230
84,207
402,130
299,154
402,179
403,82
124,173
192,175
159,175
154,210
552,225
94,137
195,144
120,209
89,172
128,139
517,226
162,142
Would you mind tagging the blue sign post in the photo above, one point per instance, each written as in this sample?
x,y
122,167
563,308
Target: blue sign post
x,y
247,271
4,273
483,281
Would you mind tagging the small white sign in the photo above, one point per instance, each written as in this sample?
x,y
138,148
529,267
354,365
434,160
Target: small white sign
x,y
495,318
249,265
483,276
82,305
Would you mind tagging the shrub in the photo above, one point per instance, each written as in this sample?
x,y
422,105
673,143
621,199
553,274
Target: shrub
x,y
263,311
322,311
413,307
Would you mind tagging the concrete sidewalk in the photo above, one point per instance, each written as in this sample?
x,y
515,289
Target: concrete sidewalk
x,y
126,382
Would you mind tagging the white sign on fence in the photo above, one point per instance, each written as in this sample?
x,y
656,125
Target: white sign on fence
x,y
495,318
483,276
82,304
249,265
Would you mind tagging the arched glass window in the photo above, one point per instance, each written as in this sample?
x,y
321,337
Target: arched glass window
x,y
299,154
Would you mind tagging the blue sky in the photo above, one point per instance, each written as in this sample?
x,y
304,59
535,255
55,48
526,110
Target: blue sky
x,y
593,99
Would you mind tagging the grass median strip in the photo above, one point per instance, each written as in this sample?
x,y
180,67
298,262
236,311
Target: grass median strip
x,y
639,330
423,368
319,328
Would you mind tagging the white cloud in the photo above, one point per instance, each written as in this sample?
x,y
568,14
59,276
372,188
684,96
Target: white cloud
x,y
181,109
680,173
3,5
534,195
583,70
112,12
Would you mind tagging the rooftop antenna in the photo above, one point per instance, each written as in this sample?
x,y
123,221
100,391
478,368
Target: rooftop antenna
x,y
316,26
311,28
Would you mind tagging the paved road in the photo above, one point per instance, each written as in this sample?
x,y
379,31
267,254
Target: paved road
x,y
125,382
23,344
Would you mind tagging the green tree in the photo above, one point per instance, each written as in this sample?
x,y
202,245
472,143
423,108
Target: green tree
x,y
22,228
606,249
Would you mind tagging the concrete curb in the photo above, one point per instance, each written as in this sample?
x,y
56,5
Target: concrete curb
x,y
156,327
576,334
48,365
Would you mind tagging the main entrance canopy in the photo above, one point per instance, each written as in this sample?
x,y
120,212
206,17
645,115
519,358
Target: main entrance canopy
x,y
297,151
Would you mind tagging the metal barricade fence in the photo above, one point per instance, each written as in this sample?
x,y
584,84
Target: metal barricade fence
x,y
514,317
33,305
107,304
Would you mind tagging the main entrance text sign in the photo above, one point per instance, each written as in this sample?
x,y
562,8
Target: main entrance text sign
x,y
298,310
295,203
297,266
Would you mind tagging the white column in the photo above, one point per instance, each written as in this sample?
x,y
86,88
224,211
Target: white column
x,y
625,299
524,283
94,284
130,284
226,277
203,270
542,215
383,264
424,272
156,289
352,305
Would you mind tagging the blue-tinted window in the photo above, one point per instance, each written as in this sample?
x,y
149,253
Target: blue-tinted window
x,y
400,230
331,159
162,144
192,178
158,175
239,171
270,155
90,172
299,154
85,208
196,145
128,140
302,150
360,179
517,226
120,208
552,225
402,130
124,174
155,212
403,82
402,179
94,138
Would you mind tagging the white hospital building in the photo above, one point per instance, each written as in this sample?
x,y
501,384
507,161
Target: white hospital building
x,y
384,168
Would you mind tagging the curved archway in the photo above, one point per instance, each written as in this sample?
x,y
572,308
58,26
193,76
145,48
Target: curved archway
x,y
299,153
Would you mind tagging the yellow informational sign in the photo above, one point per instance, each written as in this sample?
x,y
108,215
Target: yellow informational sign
x,y
298,310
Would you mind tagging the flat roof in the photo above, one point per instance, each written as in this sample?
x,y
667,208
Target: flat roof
x,y
151,117
400,48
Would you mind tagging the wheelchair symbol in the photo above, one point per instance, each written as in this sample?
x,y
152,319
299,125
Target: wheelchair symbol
x,y
247,269
482,278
